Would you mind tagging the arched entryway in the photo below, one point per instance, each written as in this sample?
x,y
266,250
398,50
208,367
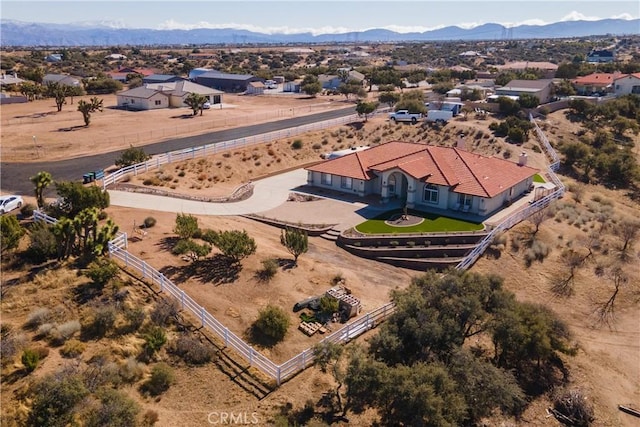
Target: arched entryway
x,y
397,185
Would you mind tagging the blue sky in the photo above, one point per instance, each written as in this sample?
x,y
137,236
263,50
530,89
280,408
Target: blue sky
x,y
327,16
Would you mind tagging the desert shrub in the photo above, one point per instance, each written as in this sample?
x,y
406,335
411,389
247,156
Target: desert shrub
x,y
296,144
574,405
31,357
188,246
12,344
329,305
149,222
38,317
44,330
27,210
101,323
42,243
268,270
114,409
537,252
72,348
149,418
160,380
54,398
131,370
61,333
316,146
154,339
192,351
273,322
163,312
152,181
135,318
101,271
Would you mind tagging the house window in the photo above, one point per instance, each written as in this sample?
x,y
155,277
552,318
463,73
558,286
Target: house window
x,y
158,102
326,179
465,200
392,185
635,89
431,194
346,182
133,101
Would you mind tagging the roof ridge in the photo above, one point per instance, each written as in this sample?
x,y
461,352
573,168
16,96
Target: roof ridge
x,y
399,156
364,172
471,170
435,162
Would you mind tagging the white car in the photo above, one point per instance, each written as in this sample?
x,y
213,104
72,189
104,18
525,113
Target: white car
x,y
9,203
206,105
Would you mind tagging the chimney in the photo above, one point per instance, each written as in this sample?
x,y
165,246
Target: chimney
x,y
522,159
460,144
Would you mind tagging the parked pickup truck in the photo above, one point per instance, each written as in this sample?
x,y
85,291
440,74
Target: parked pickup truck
x,y
439,116
405,116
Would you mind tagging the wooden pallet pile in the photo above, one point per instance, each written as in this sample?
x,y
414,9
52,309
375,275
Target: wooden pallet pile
x,y
310,328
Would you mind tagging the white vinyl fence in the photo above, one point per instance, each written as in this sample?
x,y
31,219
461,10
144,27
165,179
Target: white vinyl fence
x,y
518,216
210,149
280,373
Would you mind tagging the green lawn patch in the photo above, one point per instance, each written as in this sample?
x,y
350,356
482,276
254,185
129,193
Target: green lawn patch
x,y
433,223
538,178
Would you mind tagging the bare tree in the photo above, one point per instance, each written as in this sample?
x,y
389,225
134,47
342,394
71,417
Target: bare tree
x,y
606,310
572,260
538,218
627,230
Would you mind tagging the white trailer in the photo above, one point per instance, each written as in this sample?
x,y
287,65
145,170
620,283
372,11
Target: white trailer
x,y
439,116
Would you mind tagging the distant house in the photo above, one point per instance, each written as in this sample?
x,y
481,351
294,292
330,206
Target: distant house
x,y
11,79
600,83
62,79
54,57
122,73
332,82
115,57
255,88
430,176
161,78
627,84
142,98
292,86
538,88
548,68
597,56
226,82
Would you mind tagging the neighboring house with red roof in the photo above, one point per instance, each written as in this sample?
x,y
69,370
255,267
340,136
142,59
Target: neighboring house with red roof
x,y
627,84
595,83
427,176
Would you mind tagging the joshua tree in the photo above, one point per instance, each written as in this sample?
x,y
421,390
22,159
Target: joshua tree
x,y
89,107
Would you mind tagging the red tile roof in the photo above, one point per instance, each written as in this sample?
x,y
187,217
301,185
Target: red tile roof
x,y
463,171
597,79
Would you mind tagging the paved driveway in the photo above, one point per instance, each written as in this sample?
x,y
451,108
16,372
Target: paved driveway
x,y
268,194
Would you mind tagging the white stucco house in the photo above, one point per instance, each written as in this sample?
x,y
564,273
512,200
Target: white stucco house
x,y
142,98
627,84
164,95
426,177
538,88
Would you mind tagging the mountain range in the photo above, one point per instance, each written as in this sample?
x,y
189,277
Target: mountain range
x,y
16,33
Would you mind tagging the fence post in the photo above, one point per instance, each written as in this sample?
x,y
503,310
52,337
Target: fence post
x,y
278,379
226,337
144,273
182,299
348,328
304,362
161,282
126,259
250,356
202,316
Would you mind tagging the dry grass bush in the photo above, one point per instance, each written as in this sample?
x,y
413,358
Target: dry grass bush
x,y
12,344
38,317
61,333
163,312
131,370
72,349
192,350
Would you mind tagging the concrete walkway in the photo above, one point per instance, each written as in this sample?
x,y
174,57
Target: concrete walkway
x,y
268,193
